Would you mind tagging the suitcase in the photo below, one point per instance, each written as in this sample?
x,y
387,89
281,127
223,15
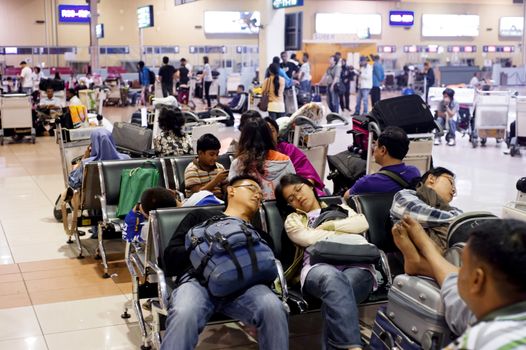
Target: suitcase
x,y
387,336
407,112
462,225
291,102
415,306
316,97
304,97
132,137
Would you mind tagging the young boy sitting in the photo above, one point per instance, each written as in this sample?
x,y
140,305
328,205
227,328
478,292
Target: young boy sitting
x,y
204,173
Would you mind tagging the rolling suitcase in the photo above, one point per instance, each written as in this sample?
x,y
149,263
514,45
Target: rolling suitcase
x,y
386,336
415,306
316,97
407,112
132,138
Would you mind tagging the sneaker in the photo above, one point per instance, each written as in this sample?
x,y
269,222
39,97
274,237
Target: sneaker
x,y
451,142
437,142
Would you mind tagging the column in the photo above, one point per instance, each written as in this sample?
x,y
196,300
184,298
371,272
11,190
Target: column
x,y
272,36
94,41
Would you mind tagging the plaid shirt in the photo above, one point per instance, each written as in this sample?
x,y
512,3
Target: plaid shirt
x,y
407,202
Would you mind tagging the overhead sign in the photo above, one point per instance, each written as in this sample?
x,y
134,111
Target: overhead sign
x,y
444,25
402,18
511,26
145,16
74,14
230,22
99,31
281,4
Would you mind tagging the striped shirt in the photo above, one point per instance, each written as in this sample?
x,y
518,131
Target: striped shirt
x,y
504,329
194,175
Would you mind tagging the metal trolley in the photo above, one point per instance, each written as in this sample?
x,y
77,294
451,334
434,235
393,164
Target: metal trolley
x,y
15,110
491,116
516,142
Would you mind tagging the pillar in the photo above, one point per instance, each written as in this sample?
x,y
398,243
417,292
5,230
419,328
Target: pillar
x,y
271,38
94,41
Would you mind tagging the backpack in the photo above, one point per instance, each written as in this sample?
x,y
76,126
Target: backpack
x,y
151,77
229,255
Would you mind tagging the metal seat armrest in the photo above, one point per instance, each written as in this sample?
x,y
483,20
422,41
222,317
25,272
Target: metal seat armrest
x,y
283,284
386,270
161,285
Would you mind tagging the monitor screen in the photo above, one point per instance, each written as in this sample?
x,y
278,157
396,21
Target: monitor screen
x,y
401,18
441,25
511,26
229,22
347,23
145,16
74,14
99,31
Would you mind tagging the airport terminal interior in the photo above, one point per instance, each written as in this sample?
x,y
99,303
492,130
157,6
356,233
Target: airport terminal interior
x,y
75,273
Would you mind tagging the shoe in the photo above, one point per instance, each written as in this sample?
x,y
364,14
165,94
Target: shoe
x,y
437,142
451,142
355,114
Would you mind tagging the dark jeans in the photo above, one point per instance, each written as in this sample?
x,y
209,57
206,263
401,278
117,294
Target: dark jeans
x,y
275,115
375,95
333,100
168,89
345,97
207,93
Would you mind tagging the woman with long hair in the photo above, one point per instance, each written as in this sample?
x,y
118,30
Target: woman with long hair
x,y
257,156
340,288
172,141
207,80
274,85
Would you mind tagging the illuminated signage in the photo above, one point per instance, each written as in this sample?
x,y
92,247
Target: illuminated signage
x,y
450,25
229,22
460,48
348,23
281,4
386,48
511,26
145,16
74,14
498,48
402,18
99,31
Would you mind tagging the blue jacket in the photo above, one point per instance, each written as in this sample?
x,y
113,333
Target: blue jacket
x,y
288,81
144,76
378,74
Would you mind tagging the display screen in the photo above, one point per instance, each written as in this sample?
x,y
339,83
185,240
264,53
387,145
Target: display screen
x,y
346,23
145,16
450,25
229,22
281,4
386,48
11,50
74,14
99,31
402,18
495,48
511,26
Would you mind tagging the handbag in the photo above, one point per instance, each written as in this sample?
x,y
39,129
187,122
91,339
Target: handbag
x,y
343,249
133,183
263,102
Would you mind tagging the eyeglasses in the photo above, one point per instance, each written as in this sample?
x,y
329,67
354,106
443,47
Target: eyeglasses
x,y
452,182
253,188
294,195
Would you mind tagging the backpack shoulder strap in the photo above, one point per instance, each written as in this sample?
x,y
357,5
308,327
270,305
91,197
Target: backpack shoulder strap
x,y
395,177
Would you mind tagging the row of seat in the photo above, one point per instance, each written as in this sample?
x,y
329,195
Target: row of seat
x,y
147,267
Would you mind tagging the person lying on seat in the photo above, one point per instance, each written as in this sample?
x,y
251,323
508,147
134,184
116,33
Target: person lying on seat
x,y
301,163
192,302
484,299
238,103
430,204
204,172
341,288
394,175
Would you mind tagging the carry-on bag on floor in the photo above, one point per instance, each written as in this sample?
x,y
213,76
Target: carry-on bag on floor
x,y
407,112
291,102
386,336
131,137
415,306
316,97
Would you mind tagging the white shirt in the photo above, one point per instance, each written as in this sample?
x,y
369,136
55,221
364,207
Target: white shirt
x,y
305,69
54,101
366,77
36,80
207,73
74,101
474,81
27,77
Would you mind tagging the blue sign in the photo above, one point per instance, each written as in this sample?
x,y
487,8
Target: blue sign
x,y
281,4
402,18
74,14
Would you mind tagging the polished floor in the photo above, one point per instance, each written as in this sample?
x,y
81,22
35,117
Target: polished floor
x,y
51,300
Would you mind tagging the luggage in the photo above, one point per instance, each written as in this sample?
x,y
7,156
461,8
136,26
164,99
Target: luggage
x,y
132,137
345,169
386,336
291,102
461,226
415,306
229,255
304,97
316,97
136,118
407,112
183,95
133,183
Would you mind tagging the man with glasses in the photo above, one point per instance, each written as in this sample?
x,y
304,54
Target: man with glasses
x,y
430,204
192,305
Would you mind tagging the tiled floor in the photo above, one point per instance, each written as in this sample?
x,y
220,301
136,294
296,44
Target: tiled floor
x,y
50,300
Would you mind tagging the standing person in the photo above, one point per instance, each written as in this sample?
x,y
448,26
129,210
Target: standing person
x,y
207,80
37,76
331,79
26,77
184,73
274,85
430,77
166,72
447,114
347,76
305,76
378,78
365,83
290,68
144,80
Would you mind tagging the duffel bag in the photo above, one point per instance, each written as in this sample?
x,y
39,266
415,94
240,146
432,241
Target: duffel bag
x,y
229,255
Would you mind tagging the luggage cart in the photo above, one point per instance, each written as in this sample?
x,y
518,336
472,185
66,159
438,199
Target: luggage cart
x,y
517,209
15,112
516,142
197,127
491,116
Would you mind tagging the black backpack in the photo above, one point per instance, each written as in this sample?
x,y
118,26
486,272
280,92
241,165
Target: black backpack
x,y
151,76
